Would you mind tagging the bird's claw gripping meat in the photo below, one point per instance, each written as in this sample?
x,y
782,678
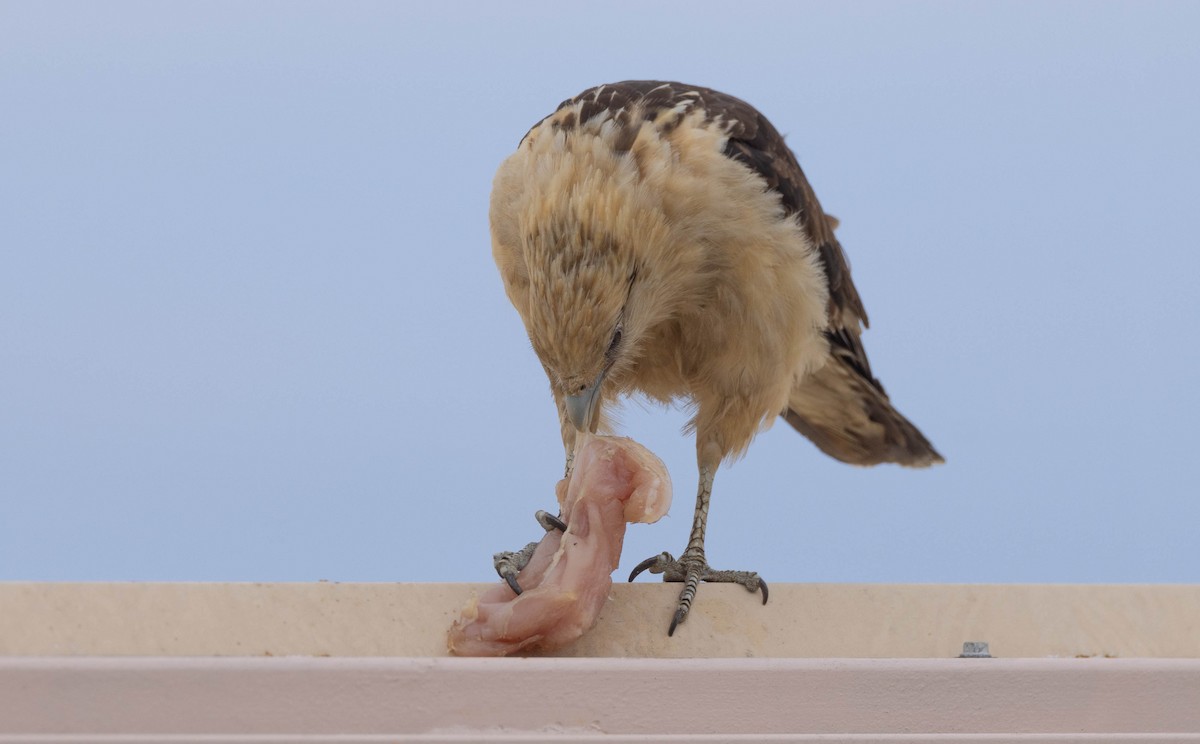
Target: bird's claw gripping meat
x,y
509,563
565,579
691,569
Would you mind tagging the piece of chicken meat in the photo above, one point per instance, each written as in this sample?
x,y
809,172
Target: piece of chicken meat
x,y
615,480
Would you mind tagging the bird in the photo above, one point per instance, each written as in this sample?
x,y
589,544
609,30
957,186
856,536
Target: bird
x,y
660,240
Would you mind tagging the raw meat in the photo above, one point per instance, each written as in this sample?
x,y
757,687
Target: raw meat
x,y
615,480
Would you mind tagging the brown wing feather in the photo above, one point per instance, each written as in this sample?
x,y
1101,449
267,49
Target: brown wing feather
x,y
842,408
761,148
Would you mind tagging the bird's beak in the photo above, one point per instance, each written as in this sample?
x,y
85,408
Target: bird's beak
x,y
582,408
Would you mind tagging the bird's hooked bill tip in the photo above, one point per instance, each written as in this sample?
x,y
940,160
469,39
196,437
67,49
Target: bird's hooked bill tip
x,y
579,409
582,408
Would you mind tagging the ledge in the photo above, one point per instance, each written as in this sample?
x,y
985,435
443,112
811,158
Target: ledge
x,y
801,620
363,663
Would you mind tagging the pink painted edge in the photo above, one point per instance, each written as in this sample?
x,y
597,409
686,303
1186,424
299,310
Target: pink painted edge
x,y
584,697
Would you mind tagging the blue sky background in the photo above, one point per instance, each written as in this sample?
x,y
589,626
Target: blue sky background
x,y
250,328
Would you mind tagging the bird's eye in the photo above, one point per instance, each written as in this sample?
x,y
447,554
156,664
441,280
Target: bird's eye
x,y
616,341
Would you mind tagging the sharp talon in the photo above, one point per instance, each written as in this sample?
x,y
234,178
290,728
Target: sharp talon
x,y
549,522
508,564
692,569
643,566
675,622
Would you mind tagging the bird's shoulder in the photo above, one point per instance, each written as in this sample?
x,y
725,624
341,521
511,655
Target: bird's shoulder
x,y
667,104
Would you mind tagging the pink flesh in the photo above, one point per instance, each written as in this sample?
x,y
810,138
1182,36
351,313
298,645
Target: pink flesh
x,y
565,585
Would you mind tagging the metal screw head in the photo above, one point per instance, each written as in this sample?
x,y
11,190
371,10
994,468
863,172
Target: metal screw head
x,y
975,650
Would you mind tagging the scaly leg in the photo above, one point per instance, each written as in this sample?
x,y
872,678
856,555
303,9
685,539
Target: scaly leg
x,y
692,567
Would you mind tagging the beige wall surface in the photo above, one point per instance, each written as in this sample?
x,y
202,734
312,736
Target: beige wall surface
x,y
358,663
801,620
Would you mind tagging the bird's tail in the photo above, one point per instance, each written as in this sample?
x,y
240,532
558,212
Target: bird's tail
x,y
849,417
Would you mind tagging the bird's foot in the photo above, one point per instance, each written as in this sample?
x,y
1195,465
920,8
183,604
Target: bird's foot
x,y
691,569
509,563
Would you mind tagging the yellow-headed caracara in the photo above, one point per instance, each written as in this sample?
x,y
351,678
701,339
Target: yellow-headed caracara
x,y
660,238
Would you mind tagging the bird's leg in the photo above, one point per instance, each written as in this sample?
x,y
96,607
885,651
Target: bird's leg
x,y
508,563
692,567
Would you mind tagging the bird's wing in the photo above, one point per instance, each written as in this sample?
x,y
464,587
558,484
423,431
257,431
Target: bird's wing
x,y
842,408
755,143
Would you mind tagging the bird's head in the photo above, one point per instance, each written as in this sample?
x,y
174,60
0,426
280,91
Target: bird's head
x,y
583,322
589,258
